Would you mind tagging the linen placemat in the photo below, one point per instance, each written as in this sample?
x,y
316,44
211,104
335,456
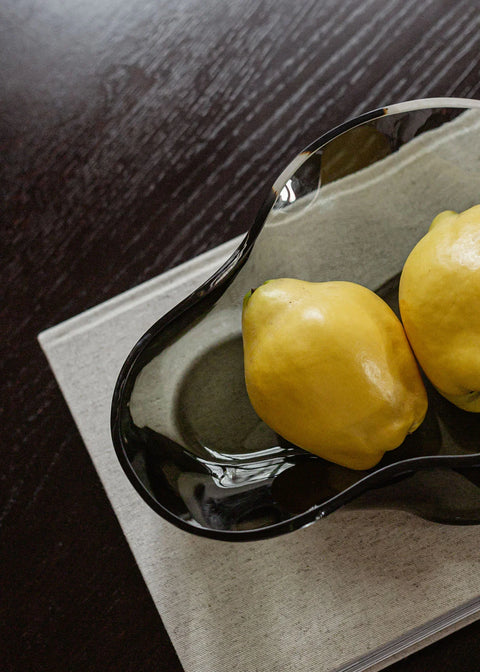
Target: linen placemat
x,y
354,591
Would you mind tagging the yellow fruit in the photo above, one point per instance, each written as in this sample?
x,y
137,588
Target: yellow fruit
x,y
329,368
439,300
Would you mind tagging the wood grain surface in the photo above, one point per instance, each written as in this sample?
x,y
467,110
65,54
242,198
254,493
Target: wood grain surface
x,y
134,135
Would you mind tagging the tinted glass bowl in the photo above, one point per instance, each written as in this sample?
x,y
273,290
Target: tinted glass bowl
x,y
349,207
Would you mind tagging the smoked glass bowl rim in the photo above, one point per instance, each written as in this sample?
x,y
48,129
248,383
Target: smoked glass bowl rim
x,y
216,284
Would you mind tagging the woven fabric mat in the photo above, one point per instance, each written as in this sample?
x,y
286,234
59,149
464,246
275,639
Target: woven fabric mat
x,y
355,591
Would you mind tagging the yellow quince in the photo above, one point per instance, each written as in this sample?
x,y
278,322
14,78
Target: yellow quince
x,y
439,299
329,368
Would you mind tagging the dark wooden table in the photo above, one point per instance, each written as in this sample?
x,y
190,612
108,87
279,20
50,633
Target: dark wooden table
x,y
134,135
